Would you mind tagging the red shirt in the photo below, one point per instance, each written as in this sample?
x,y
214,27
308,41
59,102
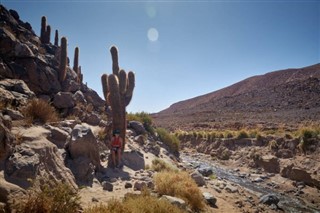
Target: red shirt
x,y
116,142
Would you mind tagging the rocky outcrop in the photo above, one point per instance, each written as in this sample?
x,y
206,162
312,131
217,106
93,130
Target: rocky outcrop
x,y
269,163
36,156
83,154
299,174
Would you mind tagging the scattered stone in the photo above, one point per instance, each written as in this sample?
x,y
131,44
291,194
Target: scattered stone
x,y
205,171
107,186
210,199
269,199
94,199
175,201
139,185
231,189
198,178
128,185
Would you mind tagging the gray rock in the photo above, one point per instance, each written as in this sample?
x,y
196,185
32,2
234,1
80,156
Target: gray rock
x,y
231,189
205,171
210,199
174,201
137,127
92,119
269,199
139,185
63,100
15,115
83,154
198,178
57,136
128,185
134,160
107,186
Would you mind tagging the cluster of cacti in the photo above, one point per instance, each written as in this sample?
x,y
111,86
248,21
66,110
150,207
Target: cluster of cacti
x,y
45,31
63,60
117,90
56,38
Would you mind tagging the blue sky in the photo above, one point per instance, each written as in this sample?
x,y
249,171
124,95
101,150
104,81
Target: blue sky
x,y
195,47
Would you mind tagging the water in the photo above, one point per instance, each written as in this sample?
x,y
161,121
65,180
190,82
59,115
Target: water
x,y
288,204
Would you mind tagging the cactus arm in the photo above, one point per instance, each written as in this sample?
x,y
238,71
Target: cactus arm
x,y
115,62
122,82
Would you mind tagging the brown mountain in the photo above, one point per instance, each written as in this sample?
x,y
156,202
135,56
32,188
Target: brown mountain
x,y
287,97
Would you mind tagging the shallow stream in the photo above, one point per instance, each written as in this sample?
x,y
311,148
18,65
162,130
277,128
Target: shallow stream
x,y
287,203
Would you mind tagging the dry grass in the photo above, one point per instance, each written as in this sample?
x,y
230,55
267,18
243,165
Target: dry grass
x,y
159,165
179,184
135,204
47,197
38,110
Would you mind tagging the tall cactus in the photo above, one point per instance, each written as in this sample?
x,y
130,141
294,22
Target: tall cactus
x,y
45,31
48,34
56,38
76,60
63,60
117,90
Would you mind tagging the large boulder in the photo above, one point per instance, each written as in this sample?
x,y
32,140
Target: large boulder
x,y
36,156
6,141
137,127
299,174
134,160
83,154
63,100
269,163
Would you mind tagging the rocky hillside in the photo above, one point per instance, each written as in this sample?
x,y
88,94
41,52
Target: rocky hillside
x,y
287,96
31,67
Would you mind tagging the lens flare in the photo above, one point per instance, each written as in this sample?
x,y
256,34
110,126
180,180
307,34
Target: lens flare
x,y
153,34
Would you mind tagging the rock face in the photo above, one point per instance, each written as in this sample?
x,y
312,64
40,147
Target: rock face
x,y
83,154
29,68
269,163
298,174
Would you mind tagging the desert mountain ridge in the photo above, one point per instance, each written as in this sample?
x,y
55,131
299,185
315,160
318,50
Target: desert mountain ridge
x,y
286,96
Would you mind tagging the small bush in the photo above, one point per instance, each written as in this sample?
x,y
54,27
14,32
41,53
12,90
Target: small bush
x,y
242,134
273,145
38,110
169,139
135,204
159,165
48,197
228,134
143,118
179,184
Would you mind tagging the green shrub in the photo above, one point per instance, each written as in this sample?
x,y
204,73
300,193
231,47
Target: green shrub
x,y
143,118
169,139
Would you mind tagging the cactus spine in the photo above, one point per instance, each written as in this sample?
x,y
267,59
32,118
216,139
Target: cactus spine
x,y
56,38
63,60
117,90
